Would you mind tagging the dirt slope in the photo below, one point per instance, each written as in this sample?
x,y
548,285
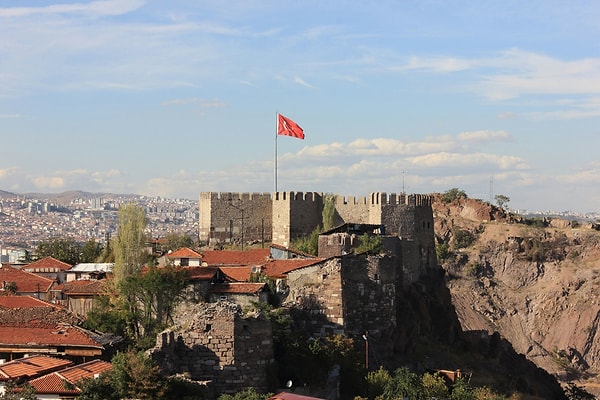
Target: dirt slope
x,y
535,283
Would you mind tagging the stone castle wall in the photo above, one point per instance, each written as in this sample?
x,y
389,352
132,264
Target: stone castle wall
x,y
216,343
283,216
222,215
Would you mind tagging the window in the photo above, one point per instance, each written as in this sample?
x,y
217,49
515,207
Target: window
x,y
184,262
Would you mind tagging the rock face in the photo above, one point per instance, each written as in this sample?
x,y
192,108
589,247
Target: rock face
x,y
536,283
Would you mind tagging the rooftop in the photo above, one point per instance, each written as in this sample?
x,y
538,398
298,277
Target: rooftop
x,y
29,367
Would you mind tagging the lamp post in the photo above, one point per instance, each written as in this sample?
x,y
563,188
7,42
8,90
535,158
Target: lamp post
x,y
242,212
366,339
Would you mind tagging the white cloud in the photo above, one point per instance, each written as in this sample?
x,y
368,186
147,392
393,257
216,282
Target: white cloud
x,y
484,136
94,8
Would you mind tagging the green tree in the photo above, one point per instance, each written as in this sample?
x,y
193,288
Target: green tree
x,y
405,383
174,241
62,248
248,394
12,391
308,244
369,243
377,381
328,214
453,194
130,243
91,251
135,376
462,390
443,251
501,200
434,386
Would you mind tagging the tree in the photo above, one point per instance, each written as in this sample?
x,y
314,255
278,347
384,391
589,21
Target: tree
x,y
14,392
453,194
91,251
62,248
328,215
130,244
501,200
370,243
248,394
434,386
176,241
405,383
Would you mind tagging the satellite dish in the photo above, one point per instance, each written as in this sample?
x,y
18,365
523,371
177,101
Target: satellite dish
x,y
288,384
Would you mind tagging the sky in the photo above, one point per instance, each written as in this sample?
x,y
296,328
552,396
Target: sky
x,y
173,98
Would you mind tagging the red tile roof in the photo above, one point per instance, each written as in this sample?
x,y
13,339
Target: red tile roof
x,y
33,366
237,274
64,382
50,263
235,257
27,282
278,268
184,252
46,335
200,273
81,287
238,288
23,302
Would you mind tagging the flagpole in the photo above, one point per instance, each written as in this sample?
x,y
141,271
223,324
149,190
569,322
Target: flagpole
x,y
276,127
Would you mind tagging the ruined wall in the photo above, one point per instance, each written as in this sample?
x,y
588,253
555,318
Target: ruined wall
x,y
317,290
216,343
351,295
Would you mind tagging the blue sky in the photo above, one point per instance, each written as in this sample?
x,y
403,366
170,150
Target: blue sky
x,y
172,98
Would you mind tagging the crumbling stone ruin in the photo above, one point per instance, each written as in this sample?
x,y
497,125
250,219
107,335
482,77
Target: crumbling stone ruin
x,y
216,343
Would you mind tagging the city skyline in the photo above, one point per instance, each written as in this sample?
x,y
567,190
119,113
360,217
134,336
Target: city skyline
x,y
174,98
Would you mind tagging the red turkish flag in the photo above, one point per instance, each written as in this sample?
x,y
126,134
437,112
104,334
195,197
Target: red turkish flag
x,y
287,127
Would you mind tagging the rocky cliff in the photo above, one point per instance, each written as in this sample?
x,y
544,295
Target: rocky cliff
x,y
533,281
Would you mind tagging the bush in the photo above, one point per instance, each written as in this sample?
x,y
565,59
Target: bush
x,y
462,238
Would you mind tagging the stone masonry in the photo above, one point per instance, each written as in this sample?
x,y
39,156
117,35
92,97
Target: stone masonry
x,y
283,216
216,343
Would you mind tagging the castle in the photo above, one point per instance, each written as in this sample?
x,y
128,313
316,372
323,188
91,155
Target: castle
x,y
283,216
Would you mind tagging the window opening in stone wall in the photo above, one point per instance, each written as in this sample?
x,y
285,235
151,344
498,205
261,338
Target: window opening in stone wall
x,y
207,328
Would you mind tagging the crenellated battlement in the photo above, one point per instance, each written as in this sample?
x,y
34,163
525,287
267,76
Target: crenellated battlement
x,y
231,216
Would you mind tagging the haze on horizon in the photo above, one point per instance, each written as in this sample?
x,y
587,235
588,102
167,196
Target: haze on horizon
x,y
174,98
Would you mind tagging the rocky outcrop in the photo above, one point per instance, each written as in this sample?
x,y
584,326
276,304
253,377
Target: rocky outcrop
x,y
534,284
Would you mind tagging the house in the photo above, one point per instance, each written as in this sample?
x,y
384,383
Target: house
x,y
184,257
26,310
26,368
88,271
241,293
48,267
199,280
58,339
77,296
61,385
15,281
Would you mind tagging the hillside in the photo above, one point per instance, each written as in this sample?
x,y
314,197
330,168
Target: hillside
x,y
535,282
